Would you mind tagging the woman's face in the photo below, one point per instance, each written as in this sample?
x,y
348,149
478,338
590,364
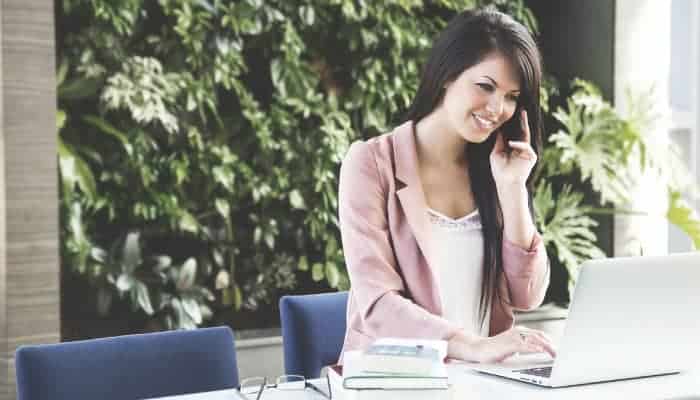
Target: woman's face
x,y
482,98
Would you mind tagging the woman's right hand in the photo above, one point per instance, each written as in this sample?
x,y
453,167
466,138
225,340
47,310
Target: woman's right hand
x,y
498,348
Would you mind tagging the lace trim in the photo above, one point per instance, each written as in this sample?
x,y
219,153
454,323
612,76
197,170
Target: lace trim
x,y
466,223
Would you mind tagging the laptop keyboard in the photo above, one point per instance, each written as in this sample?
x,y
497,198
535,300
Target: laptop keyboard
x,y
544,372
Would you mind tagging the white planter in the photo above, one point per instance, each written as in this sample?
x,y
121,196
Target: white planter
x,y
260,357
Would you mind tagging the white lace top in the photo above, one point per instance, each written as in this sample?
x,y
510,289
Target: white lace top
x,y
458,259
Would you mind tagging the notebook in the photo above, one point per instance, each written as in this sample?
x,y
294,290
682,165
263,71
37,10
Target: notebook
x,y
352,376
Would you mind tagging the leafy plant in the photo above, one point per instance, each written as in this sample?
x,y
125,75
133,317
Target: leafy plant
x,y
681,214
611,151
566,225
213,132
199,142
596,142
132,275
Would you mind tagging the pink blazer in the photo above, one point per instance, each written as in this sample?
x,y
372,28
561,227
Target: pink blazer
x,y
384,229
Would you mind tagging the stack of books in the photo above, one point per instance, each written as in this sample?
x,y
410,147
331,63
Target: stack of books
x,y
416,368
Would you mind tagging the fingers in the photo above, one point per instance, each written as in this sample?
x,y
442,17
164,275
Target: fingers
x,y
544,336
542,345
537,340
527,344
525,126
500,145
516,340
523,150
504,356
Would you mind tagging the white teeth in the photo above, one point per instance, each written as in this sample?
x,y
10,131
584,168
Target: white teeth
x,y
484,122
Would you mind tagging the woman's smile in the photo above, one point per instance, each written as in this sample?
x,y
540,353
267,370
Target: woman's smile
x,y
483,122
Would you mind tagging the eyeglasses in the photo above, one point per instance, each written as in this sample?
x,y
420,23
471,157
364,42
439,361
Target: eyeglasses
x,y
253,387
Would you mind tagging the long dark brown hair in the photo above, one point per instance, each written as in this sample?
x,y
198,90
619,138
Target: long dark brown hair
x,y
468,38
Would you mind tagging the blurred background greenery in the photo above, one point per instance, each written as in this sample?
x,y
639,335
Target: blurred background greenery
x,y
200,141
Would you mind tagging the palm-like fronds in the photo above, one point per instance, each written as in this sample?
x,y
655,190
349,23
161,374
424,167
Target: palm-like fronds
x,y
597,141
681,214
656,153
566,226
612,151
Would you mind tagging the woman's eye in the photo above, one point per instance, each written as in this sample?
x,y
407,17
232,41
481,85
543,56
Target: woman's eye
x,y
514,98
486,87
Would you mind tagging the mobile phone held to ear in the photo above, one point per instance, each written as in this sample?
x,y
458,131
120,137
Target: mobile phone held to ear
x,y
512,129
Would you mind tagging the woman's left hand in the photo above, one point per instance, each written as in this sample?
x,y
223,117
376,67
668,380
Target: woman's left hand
x,y
511,165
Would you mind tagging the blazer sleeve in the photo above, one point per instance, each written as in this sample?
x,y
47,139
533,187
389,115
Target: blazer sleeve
x,y
526,273
377,286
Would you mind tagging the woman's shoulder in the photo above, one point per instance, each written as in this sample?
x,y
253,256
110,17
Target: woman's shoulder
x,y
370,160
368,150
379,149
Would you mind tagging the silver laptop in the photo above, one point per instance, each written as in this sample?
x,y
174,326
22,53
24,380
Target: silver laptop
x,y
629,318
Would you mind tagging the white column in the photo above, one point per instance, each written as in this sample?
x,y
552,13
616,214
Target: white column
x,y
642,59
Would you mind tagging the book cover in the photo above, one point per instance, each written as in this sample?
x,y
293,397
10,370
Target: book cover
x,y
414,359
354,377
335,375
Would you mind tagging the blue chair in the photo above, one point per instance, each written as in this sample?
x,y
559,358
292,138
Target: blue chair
x,y
129,367
313,329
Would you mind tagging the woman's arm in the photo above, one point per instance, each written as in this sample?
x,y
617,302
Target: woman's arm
x,y
518,226
525,264
377,287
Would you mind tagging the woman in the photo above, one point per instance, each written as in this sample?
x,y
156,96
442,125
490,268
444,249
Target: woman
x,y
435,216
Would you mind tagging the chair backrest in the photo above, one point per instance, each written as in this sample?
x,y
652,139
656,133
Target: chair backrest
x,y
313,329
128,367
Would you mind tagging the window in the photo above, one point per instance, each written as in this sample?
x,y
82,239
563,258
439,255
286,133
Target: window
x,y
684,95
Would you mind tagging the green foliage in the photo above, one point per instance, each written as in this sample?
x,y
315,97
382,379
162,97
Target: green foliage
x,y
199,142
212,131
681,214
145,91
612,151
597,141
566,225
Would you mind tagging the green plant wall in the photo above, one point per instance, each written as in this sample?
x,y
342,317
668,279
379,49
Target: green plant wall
x,y
200,140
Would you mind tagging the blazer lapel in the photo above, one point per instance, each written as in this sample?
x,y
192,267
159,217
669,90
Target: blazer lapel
x,y
411,196
415,207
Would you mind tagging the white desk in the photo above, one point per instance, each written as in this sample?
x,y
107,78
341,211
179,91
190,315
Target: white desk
x,y
232,394
478,386
467,384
